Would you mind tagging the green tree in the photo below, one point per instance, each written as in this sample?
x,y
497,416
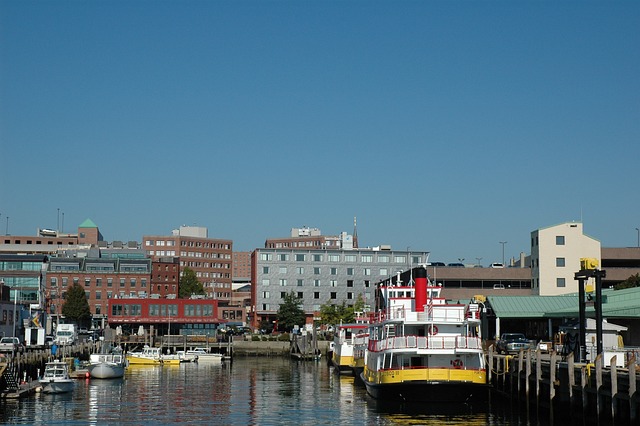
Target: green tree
x,y
189,284
76,305
632,281
333,314
290,312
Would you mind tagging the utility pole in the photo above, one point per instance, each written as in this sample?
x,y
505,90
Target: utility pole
x,y
503,243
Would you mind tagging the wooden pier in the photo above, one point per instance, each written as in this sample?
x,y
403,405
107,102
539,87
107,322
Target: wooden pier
x,y
553,388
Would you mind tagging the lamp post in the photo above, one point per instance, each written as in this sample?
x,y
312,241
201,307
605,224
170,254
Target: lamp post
x,y
503,243
478,259
15,305
638,230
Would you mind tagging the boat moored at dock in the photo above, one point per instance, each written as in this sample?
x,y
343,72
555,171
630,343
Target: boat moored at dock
x,y
421,349
342,351
56,378
110,363
151,356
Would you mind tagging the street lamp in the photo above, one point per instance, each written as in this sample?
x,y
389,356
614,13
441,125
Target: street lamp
x,y
638,230
478,259
503,243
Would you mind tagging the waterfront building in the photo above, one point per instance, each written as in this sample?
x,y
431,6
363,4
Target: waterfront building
x,y
321,276
166,316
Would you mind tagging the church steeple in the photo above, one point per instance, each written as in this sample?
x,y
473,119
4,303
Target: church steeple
x,y
355,233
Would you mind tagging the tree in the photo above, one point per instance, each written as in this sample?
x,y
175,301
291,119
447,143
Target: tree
x,y
333,314
632,281
189,284
290,312
76,306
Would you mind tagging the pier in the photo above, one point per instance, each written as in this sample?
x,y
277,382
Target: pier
x,y
553,388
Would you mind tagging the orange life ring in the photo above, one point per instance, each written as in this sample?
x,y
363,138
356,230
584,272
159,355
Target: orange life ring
x,y
457,363
433,330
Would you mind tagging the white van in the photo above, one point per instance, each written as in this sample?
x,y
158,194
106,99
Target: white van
x,y
496,265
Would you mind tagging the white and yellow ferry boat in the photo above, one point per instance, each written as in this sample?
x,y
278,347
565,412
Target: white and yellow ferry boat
x,y
421,349
342,357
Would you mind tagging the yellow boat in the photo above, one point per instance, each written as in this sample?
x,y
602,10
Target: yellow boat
x,y
151,356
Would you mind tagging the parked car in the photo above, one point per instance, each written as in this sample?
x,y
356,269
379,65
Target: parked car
x,y
510,343
437,264
456,265
496,265
10,344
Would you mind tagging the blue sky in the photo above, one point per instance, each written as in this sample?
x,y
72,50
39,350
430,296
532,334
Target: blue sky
x,y
443,126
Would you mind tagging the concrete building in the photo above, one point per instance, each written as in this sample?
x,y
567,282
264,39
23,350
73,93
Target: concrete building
x,y
319,276
210,258
555,257
312,239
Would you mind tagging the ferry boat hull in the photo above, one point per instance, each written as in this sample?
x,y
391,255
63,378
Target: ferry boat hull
x,y
431,391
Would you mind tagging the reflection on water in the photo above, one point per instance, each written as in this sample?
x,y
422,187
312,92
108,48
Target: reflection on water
x,y
251,391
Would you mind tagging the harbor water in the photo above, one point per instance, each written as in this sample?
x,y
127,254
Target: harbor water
x,y
249,391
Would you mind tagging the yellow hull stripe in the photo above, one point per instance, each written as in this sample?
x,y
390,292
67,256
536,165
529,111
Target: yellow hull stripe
x,y
426,375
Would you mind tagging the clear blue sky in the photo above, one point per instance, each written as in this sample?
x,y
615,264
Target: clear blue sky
x,y
443,126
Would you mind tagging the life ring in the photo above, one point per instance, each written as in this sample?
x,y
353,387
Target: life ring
x,y
457,363
433,330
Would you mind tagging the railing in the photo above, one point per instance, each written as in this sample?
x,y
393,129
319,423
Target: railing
x,y
439,313
426,342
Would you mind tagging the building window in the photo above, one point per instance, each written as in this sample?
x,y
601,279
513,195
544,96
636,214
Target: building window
x,y
317,258
384,272
559,240
283,282
334,295
122,282
334,258
316,271
109,282
282,270
300,270
300,295
54,282
334,271
316,295
560,262
367,284
400,259
98,295
143,282
265,294
300,257
349,271
265,282
333,283
349,295
367,271
266,256
349,283
283,294
367,258
383,258
300,283
316,283
132,282
265,269
98,282
560,282
349,257
282,257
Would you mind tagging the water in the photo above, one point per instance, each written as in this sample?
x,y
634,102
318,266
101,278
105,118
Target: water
x,y
251,391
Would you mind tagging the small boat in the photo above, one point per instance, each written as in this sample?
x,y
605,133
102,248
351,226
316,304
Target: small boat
x,y
56,378
422,349
343,345
203,355
151,356
109,364
191,357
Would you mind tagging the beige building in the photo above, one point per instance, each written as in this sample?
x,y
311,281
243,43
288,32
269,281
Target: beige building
x,y
555,257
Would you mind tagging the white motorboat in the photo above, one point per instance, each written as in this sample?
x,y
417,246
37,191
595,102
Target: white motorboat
x,y
204,355
56,378
110,364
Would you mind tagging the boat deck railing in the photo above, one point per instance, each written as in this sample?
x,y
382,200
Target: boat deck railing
x,y
426,342
438,313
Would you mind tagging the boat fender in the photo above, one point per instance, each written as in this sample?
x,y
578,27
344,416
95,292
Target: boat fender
x,y
433,330
457,363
